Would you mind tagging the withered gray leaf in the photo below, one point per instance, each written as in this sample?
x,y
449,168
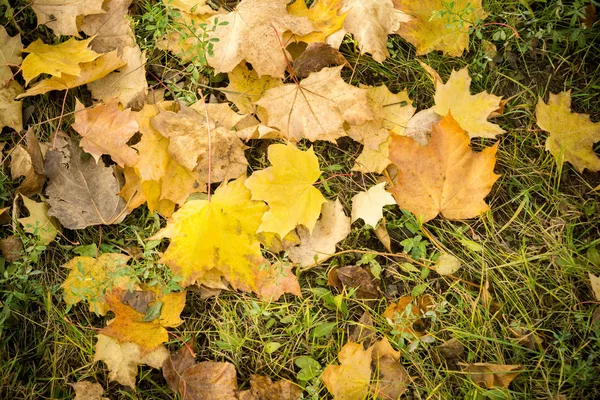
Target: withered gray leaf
x,y
81,193
138,299
356,277
175,365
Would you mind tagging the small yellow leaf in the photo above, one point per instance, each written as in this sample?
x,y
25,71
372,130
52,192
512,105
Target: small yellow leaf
x,y
58,59
38,222
89,278
369,205
11,114
287,186
447,264
349,380
572,135
246,88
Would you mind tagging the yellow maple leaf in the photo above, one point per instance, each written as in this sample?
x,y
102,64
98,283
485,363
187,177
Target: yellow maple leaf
x,y
106,129
90,278
371,160
287,186
317,108
432,29
38,222
449,178
58,59
132,326
470,111
324,16
349,380
256,27
572,135
219,234
246,88
89,72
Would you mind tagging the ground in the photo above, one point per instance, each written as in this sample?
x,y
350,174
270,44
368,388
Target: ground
x,y
531,252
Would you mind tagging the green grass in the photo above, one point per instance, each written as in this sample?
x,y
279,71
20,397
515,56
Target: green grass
x,y
537,242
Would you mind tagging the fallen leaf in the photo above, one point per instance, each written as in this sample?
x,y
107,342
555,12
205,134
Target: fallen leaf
x,y
452,350
572,135
317,108
364,331
318,246
11,248
276,279
62,16
130,326
128,84
106,129
391,378
323,14
246,88
430,30
90,278
316,57
219,234
139,300
449,178
287,186
176,364
370,21
447,264
80,192
85,390
349,380
30,164
406,314
199,7
595,282
470,111
38,222
374,161
112,29
491,375
57,59
254,33
358,278
11,114
123,359
90,72
10,55
420,125
263,388
369,205
183,38
383,235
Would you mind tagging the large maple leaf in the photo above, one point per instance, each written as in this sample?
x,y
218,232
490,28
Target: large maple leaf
x,y
62,16
448,177
106,129
56,60
370,21
219,234
10,54
287,186
470,111
317,108
253,32
89,72
572,135
432,29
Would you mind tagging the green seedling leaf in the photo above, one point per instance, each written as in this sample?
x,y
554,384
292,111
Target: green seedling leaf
x,y
153,312
323,329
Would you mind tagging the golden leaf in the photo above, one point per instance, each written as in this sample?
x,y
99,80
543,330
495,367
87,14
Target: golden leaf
x,y
324,15
10,55
349,380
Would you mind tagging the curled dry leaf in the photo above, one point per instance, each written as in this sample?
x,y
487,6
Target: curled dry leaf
x,y
317,107
318,246
81,193
288,182
491,375
123,359
449,178
316,57
572,135
429,31
355,277
254,32
64,16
